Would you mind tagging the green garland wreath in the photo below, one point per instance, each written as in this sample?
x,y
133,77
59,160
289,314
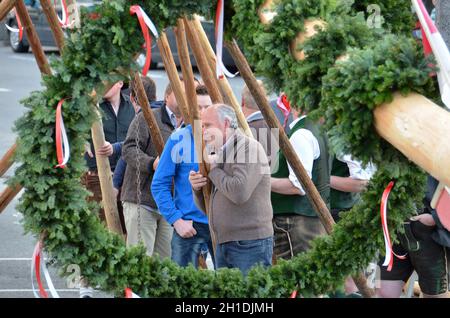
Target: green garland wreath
x,y
55,201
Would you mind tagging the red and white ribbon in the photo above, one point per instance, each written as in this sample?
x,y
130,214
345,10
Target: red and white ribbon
x,y
19,27
146,23
285,107
62,141
437,44
220,67
64,21
38,262
294,294
129,293
389,258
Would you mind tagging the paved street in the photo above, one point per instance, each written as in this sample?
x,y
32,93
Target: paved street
x,y
19,75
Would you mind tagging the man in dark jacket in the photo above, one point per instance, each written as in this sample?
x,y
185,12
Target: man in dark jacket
x,y
117,114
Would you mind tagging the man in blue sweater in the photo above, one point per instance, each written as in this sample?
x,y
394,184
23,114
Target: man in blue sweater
x,y
190,224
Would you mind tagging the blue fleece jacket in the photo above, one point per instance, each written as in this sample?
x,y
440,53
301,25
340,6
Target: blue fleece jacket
x,y
177,160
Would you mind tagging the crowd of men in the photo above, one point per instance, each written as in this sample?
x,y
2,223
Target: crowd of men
x,y
257,210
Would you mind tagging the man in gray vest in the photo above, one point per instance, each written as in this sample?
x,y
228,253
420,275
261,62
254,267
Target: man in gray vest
x,y
256,121
295,222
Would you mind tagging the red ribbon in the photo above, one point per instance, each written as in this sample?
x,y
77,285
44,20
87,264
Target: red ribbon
x,y
135,9
284,105
19,25
426,44
37,256
389,259
129,293
59,137
294,294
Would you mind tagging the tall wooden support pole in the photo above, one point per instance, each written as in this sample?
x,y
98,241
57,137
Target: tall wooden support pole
x,y
207,75
188,75
33,38
224,85
272,121
8,195
142,98
172,73
7,161
289,152
5,7
53,22
105,177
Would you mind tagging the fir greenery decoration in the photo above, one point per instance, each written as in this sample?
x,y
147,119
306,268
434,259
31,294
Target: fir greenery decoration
x,y
54,201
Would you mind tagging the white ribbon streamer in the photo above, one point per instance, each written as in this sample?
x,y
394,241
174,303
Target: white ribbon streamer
x,y
150,24
220,67
37,254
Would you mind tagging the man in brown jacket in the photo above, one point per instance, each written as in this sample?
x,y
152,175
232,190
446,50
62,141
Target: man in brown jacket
x,y
240,212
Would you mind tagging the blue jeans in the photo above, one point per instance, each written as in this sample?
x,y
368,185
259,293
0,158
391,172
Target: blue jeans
x,y
187,250
244,254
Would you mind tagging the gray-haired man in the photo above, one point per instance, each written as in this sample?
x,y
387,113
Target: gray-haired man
x,y
240,208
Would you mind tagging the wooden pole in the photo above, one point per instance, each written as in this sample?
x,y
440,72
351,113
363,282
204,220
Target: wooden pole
x,y
8,195
272,121
5,7
7,161
172,73
207,75
105,177
224,85
33,38
289,152
188,75
419,129
202,35
53,22
142,98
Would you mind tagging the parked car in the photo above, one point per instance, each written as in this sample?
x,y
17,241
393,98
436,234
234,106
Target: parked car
x,y
40,23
